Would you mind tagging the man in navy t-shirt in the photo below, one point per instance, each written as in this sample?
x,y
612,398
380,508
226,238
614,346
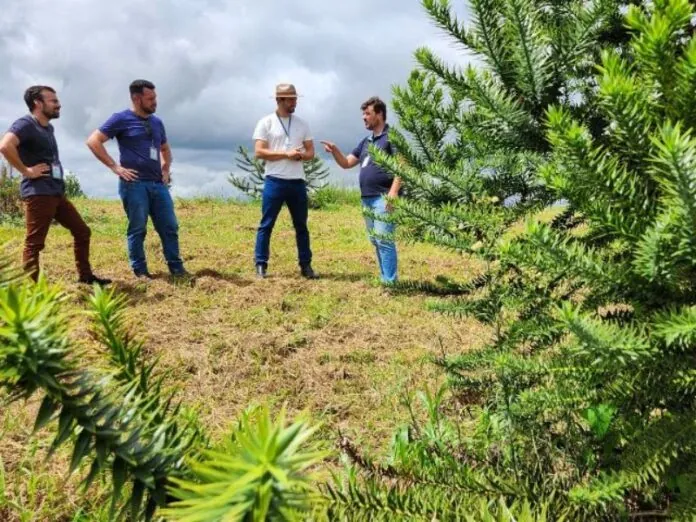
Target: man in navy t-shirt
x,y
143,171
30,147
375,184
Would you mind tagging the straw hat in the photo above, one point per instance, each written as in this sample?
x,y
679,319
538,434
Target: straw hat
x,y
285,90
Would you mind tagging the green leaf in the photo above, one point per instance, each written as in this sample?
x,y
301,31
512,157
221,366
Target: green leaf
x,y
82,447
599,418
46,410
65,429
94,470
119,475
136,499
102,447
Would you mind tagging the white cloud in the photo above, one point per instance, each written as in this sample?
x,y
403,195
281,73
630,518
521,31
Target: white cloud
x,y
214,63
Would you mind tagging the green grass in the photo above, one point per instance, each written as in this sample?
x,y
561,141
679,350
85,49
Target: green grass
x,y
343,348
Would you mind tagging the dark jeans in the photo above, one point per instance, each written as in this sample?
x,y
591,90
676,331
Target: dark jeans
x,y
150,198
40,211
292,192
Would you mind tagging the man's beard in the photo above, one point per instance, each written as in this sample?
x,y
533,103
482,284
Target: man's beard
x,y
149,110
52,115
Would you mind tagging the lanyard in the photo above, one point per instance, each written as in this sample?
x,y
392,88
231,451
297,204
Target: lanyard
x,y
286,131
148,130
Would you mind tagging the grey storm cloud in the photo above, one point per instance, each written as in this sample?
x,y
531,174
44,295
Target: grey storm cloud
x,y
215,64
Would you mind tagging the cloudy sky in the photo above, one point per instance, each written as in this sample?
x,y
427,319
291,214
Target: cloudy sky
x,y
215,63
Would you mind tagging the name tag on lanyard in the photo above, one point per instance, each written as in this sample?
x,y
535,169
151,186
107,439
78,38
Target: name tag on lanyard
x,y
56,167
154,154
57,171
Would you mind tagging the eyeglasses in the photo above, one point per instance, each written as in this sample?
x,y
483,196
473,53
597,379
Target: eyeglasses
x,y
148,128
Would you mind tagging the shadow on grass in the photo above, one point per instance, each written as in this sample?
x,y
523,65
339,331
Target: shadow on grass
x,y
351,278
235,279
439,287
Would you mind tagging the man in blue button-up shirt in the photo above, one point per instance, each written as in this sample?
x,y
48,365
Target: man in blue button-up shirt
x,y
375,184
143,171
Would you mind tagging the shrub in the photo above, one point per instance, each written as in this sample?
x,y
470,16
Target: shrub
x,y
328,196
72,186
11,208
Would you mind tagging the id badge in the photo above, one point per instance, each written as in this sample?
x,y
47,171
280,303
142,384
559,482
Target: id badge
x,y
57,171
154,154
366,161
287,143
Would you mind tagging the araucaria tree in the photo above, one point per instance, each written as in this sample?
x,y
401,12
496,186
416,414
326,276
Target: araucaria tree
x,y
583,130
251,182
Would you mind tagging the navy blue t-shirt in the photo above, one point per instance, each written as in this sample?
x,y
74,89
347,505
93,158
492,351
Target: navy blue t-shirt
x,y
37,144
135,137
374,181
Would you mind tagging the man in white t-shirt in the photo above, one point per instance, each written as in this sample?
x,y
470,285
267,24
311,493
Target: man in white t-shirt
x,y
284,141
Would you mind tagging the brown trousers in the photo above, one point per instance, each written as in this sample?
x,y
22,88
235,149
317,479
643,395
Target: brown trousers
x,y
40,211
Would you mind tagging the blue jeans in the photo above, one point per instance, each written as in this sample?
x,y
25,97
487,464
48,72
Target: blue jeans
x,y
292,192
385,248
150,198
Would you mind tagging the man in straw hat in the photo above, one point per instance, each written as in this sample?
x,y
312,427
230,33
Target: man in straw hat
x,y
284,141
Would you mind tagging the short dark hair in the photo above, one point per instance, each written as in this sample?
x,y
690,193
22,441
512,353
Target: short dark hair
x,y
379,106
33,94
138,86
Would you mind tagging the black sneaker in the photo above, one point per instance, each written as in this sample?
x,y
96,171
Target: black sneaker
x,y
143,275
94,280
307,272
183,275
261,271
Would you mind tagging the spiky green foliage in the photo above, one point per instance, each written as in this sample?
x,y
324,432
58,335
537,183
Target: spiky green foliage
x,y
260,474
120,417
124,351
584,398
105,415
426,480
251,182
369,500
633,266
111,330
316,172
473,143
472,139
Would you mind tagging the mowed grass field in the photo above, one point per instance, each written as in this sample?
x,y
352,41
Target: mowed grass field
x,y
342,348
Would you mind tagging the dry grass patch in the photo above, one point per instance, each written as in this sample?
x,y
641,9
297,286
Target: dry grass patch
x,y
342,347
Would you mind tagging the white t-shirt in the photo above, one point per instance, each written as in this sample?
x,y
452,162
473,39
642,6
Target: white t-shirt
x,y
288,135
